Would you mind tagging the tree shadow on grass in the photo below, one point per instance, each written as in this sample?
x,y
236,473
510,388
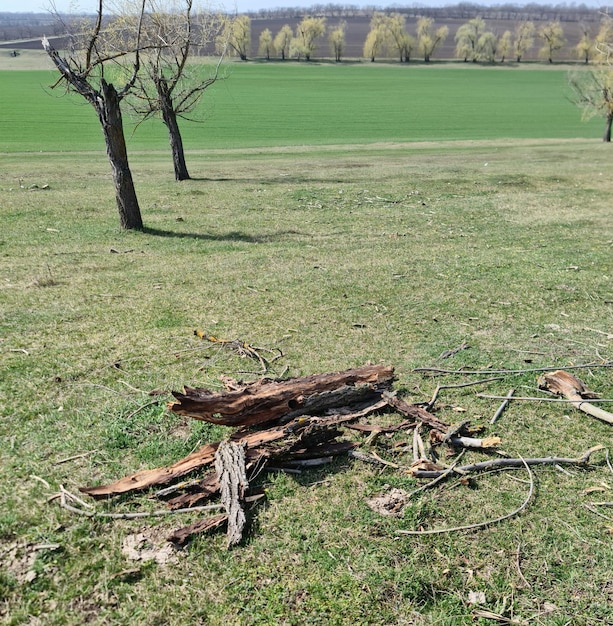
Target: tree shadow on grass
x,y
229,236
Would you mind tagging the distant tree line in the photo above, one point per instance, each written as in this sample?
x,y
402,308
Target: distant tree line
x,y
463,10
389,37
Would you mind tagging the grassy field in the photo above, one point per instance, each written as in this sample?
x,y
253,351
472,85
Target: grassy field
x,y
337,254
293,104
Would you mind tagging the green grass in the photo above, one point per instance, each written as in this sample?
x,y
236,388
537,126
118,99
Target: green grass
x,y
338,255
293,104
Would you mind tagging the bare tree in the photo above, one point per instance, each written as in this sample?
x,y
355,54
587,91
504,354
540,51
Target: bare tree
x,y
168,86
375,40
594,89
467,39
85,70
308,31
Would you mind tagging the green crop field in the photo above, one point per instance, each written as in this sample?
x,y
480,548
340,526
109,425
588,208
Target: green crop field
x,y
449,217
302,104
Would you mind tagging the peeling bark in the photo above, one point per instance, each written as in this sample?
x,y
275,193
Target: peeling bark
x,y
232,477
267,400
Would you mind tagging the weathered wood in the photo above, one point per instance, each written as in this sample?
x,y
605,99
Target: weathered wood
x,y
180,536
232,477
163,475
203,490
564,384
415,412
268,400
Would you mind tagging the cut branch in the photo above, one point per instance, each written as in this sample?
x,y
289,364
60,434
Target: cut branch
x,y
565,384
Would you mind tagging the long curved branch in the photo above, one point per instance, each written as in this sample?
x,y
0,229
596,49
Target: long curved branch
x,y
502,518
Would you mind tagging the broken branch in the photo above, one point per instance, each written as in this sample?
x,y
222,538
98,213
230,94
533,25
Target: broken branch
x,y
564,384
267,400
508,464
502,407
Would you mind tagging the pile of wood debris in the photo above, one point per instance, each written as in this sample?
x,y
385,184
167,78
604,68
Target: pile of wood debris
x,y
285,425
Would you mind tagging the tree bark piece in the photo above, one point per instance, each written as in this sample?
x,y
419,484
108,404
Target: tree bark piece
x,y
416,412
267,400
181,535
232,476
564,384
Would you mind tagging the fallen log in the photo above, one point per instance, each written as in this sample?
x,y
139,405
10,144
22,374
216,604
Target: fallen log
x,y
564,384
266,400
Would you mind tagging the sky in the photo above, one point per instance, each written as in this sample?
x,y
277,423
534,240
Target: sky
x,y
72,6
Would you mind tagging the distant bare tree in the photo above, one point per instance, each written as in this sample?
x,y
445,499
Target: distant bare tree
x,y
467,39
336,39
308,31
552,35
235,36
524,39
266,45
586,48
282,40
168,85
375,40
505,45
429,38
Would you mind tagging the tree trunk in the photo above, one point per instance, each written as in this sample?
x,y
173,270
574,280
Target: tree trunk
x,y
607,131
174,134
109,112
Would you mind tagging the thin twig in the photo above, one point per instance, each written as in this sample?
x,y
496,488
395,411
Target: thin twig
x,y
519,509
437,370
75,457
502,407
608,461
430,404
593,510
537,399
366,458
65,495
140,408
40,480
517,565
